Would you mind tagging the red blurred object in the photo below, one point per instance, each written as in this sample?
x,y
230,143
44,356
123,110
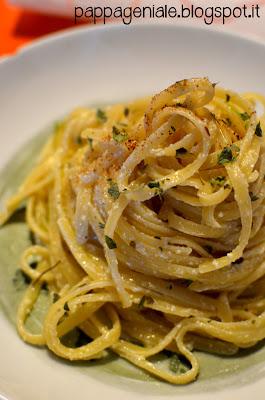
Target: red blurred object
x,y
18,26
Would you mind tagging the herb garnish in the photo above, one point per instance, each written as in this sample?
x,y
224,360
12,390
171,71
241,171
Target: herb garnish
x,y
245,116
153,185
225,156
218,181
101,225
228,154
110,243
227,97
253,197
101,115
180,151
113,190
118,135
258,130
66,307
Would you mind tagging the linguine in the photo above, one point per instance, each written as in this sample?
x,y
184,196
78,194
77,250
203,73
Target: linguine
x,y
148,218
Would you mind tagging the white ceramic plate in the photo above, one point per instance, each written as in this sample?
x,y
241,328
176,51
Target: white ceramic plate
x,y
103,65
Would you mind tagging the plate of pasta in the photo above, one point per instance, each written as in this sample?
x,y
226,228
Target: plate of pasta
x,y
132,215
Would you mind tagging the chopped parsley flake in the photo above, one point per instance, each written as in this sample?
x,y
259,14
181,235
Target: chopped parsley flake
x,y
258,131
217,181
245,116
153,185
66,307
101,115
101,225
110,243
118,135
228,154
113,190
180,151
225,156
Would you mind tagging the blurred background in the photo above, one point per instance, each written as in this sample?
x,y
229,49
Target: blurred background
x,y
22,21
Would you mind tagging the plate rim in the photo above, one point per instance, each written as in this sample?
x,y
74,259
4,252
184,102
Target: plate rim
x,y
86,28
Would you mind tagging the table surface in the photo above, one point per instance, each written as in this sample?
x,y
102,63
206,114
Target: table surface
x,y
18,26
